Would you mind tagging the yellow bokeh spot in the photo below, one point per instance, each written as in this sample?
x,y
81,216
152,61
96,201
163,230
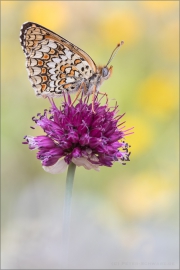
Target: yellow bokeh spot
x,y
159,95
160,6
142,138
119,26
50,14
169,41
146,194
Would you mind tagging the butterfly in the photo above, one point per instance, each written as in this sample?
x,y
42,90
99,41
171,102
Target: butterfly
x,y
56,66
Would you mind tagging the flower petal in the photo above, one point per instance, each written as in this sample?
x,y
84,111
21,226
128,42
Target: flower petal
x,y
59,167
81,161
31,141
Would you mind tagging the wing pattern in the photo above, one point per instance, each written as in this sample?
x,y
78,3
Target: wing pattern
x,y
54,64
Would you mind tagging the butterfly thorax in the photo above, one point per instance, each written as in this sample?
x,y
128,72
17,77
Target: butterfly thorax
x,y
96,80
93,81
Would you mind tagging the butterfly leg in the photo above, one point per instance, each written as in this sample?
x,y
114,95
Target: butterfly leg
x,y
78,93
50,100
93,98
104,94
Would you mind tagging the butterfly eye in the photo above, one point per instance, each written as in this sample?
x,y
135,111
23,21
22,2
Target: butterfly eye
x,y
105,71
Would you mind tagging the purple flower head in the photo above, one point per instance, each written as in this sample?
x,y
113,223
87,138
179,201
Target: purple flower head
x,y
75,134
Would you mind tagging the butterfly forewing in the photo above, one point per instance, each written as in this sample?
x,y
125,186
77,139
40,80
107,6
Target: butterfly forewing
x,y
54,64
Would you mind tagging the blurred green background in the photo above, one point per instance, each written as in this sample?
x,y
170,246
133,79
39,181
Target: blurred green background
x,y
124,217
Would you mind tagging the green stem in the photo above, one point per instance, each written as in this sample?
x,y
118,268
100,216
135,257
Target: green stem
x,y
67,213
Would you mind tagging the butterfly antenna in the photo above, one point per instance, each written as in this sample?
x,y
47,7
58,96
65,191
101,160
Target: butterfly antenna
x,y
114,52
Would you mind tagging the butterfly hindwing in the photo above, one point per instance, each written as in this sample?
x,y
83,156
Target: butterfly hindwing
x,y
54,64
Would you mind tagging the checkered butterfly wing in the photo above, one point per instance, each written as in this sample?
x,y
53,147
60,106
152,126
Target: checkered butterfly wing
x,y
54,64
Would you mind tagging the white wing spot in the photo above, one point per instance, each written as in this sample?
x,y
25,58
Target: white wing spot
x,y
37,79
63,57
68,53
54,77
51,64
52,84
69,80
56,60
33,62
44,49
76,74
52,71
52,45
38,55
68,70
36,70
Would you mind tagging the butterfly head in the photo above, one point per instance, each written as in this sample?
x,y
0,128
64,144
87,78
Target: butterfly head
x,y
107,71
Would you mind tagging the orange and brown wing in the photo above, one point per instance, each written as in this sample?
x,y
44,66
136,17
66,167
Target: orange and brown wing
x,y
54,64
